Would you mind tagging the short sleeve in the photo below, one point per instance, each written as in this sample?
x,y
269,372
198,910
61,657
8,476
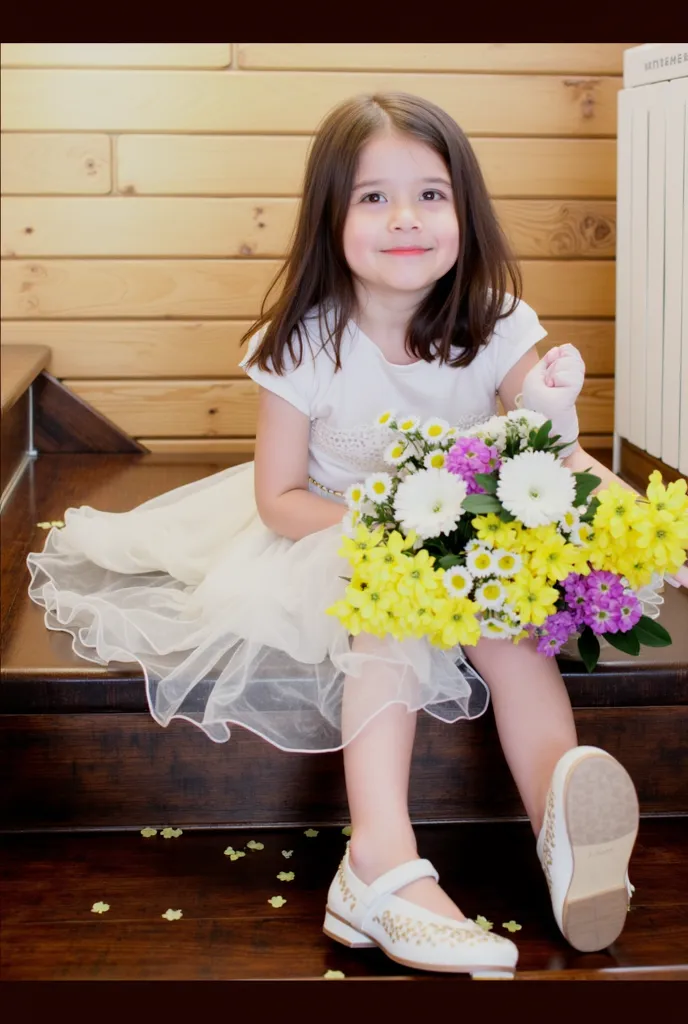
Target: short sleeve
x,y
296,384
513,337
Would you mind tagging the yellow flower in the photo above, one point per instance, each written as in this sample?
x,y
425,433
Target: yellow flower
x,y
673,497
663,537
419,576
332,975
493,531
555,559
148,832
532,597
172,915
253,845
458,624
277,901
618,509
385,417
171,833
286,876
357,547
484,923
511,926
100,908
311,833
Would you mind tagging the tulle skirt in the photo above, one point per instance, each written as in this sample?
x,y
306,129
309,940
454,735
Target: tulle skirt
x,y
228,621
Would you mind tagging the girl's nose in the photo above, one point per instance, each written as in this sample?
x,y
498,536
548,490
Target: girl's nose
x,y
403,218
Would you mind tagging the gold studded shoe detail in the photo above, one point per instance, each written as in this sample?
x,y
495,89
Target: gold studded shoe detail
x,y
363,916
588,833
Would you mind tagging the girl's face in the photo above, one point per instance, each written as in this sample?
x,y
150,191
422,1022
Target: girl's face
x,y
401,232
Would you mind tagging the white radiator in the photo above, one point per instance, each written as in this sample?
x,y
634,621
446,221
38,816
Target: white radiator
x,y
651,376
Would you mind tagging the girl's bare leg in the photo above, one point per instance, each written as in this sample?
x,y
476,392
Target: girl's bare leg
x,y
533,714
377,764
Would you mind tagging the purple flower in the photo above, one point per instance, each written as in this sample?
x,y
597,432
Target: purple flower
x,y
604,586
554,632
470,455
630,610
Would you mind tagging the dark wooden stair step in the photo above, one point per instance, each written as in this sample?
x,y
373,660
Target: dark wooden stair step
x,y
229,931
82,750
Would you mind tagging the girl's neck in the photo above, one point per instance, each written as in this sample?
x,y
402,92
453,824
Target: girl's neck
x,y
385,319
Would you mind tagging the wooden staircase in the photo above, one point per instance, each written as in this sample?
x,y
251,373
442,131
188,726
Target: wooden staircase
x,y
85,768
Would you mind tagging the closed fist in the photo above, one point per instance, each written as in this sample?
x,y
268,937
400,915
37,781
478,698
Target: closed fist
x,y
554,384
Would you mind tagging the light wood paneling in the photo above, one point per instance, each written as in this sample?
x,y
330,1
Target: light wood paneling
x,y
286,102
210,348
54,164
159,408
116,55
531,58
217,165
88,289
117,226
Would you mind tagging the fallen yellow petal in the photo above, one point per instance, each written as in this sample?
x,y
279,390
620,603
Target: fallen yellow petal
x,y
483,922
347,830
311,833
43,526
57,522
100,908
287,853
511,926
148,832
277,901
334,975
253,845
172,915
286,876
171,833
237,855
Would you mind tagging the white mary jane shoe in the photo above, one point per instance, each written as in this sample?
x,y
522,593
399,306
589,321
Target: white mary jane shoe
x,y
362,916
590,826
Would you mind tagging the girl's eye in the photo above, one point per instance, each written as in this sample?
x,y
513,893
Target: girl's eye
x,y
432,193
373,197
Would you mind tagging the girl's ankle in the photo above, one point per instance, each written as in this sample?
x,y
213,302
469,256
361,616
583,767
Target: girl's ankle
x,y
371,856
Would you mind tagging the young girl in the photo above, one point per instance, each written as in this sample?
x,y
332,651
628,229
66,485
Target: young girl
x,y
394,295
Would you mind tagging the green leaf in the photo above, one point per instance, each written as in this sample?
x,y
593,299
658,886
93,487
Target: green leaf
x,y
588,516
650,633
589,648
447,561
481,504
626,642
542,435
506,516
488,481
585,484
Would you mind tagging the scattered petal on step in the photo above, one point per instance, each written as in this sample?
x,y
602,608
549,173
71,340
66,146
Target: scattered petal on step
x,y
287,853
237,855
172,915
511,926
100,908
483,922
171,833
311,833
277,901
43,526
286,876
148,832
253,845
347,830
58,523
334,975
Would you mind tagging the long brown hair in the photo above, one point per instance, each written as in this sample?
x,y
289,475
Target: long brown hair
x,y
458,315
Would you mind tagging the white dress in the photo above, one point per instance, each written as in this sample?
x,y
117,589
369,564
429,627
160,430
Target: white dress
x,y
225,617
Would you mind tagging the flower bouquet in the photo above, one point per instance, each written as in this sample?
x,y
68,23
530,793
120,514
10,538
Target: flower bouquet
x,y
487,533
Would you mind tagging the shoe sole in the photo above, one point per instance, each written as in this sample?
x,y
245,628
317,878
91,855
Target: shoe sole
x,y
601,819
340,931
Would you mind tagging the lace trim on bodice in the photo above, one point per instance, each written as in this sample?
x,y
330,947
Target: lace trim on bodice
x,y
362,448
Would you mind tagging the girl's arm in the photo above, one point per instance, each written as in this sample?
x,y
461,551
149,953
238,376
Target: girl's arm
x,y
281,472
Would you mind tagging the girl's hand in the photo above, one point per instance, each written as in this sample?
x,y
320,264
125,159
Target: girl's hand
x,y
552,387
679,578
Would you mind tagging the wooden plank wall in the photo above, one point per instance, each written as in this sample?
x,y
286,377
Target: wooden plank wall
x,y
149,191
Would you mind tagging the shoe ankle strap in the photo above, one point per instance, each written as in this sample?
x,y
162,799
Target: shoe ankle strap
x,y
402,875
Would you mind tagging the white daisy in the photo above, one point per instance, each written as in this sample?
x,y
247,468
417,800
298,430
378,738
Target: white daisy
x,y
350,521
492,431
495,628
408,423
473,545
385,419
490,594
354,495
435,459
480,561
434,429
536,488
457,581
397,453
378,487
526,418
579,534
430,502
569,520
506,563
